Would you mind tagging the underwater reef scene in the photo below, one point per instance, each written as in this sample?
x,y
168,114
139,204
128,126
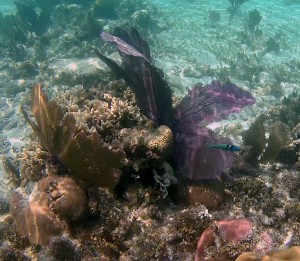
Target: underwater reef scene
x,y
149,130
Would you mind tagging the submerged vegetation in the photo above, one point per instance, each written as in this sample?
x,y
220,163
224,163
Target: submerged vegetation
x,y
235,5
119,158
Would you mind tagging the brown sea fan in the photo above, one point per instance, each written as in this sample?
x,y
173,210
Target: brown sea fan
x,y
87,156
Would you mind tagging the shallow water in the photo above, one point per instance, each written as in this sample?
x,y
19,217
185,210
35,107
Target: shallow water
x,y
192,42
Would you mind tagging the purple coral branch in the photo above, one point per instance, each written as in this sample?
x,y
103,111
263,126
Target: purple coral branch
x,y
202,105
212,102
122,46
153,94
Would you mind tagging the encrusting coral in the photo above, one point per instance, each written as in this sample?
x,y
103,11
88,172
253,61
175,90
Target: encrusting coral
x,y
104,124
33,161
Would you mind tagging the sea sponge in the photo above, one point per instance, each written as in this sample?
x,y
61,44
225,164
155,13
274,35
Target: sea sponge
x,y
210,194
48,210
63,248
232,237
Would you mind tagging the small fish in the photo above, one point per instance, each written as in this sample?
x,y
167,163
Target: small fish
x,y
228,147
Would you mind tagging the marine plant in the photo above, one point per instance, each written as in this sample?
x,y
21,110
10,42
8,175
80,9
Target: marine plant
x,y
58,135
12,29
254,18
274,136
16,27
235,5
272,45
33,21
202,105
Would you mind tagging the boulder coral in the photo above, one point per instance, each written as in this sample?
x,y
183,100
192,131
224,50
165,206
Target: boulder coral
x,y
48,209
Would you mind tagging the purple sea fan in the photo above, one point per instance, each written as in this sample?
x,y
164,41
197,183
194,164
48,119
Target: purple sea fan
x,y
154,96
203,105
195,160
122,46
210,103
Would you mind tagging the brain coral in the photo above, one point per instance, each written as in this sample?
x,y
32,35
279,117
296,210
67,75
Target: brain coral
x,y
47,211
160,140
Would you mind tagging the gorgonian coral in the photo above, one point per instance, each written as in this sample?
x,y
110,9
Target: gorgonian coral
x,y
202,105
58,134
105,124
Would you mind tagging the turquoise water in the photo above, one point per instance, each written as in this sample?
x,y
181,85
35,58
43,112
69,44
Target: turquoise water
x,y
7,7
94,168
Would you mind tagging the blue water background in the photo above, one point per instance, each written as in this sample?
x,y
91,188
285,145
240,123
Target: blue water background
x,y
7,6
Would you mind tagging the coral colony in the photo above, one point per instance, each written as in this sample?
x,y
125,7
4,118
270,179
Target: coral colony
x,y
100,140
202,105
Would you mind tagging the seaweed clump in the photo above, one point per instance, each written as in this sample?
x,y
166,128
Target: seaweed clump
x,y
254,18
63,248
235,5
274,136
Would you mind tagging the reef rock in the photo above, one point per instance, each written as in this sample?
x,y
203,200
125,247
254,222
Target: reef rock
x,y
210,194
236,236
47,211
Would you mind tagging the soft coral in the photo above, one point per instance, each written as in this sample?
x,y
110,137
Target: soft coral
x,y
202,105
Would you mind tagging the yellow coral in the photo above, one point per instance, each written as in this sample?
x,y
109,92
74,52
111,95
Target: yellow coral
x,y
291,254
247,257
160,140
